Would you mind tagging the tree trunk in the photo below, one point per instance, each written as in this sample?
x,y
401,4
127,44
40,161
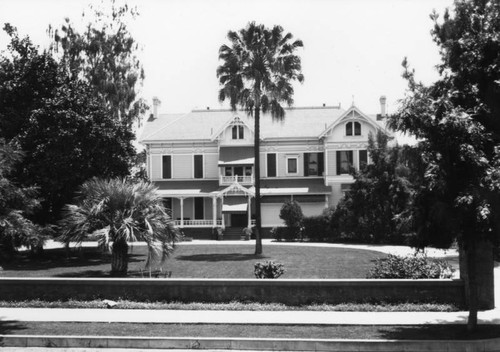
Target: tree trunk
x,y
258,221
476,269
119,258
472,286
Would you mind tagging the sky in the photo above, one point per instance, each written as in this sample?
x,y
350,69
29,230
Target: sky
x,y
352,52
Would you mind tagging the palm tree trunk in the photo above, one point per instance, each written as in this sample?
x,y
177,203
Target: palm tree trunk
x,y
258,221
119,258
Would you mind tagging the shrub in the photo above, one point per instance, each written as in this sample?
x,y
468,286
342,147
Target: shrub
x,y
291,214
410,267
316,228
268,270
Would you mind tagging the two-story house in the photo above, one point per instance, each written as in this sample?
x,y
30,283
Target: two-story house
x,y
203,162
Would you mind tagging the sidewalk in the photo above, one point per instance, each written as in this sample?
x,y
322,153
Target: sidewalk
x,y
243,317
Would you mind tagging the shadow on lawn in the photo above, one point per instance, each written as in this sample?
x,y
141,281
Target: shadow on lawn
x,y
220,257
438,332
59,258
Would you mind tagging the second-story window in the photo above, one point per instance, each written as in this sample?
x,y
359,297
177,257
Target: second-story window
x,y
198,166
313,164
344,161
292,165
166,166
363,158
353,129
238,132
271,165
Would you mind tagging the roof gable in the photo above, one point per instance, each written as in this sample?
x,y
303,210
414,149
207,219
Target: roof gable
x,y
234,121
353,113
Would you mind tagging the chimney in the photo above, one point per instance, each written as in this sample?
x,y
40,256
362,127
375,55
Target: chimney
x,y
156,105
383,113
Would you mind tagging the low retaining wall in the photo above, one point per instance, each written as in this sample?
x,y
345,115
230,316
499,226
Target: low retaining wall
x,y
287,291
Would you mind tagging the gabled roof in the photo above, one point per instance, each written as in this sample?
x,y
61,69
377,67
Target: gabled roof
x,y
308,122
347,115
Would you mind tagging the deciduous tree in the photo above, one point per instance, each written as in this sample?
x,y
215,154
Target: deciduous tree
x,y
457,117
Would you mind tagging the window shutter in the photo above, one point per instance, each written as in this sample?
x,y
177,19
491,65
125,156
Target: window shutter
x,y
198,166
321,164
306,164
271,165
167,166
338,163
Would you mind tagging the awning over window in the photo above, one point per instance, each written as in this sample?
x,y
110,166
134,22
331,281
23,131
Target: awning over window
x,y
234,205
230,156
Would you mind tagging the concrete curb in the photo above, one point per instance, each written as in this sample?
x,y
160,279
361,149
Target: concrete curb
x,y
255,344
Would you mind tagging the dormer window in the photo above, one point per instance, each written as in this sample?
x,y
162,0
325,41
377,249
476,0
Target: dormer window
x,y
238,132
353,129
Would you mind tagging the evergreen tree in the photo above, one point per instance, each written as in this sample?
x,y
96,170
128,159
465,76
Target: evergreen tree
x,y
256,74
383,190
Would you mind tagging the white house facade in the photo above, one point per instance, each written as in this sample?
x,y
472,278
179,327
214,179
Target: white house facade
x,y
203,162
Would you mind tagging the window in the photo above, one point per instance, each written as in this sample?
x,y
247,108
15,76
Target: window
x,y
345,188
271,165
198,208
344,161
348,129
167,166
291,165
353,127
198,166
167,203
238,132
313,164
363,158
357,129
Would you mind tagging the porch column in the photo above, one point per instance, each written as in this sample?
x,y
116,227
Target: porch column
x,y
214,211
249,212
182,212
222,214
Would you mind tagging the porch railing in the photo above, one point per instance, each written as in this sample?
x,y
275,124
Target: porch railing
x,y
244,180
202,223
198,223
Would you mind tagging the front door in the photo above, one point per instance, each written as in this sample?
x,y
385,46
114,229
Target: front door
x,y
239,220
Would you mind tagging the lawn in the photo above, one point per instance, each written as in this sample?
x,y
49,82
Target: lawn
x,y
412,332
202,261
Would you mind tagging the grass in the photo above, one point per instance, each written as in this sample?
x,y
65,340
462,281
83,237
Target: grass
x,y
406,332
202,261
240,306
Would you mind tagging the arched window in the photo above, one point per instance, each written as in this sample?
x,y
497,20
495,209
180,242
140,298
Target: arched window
x,y
353,129
348,129
237,132
357,129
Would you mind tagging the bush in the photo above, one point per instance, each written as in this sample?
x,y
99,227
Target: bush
x,y
291,214
316,228
410,267
268,270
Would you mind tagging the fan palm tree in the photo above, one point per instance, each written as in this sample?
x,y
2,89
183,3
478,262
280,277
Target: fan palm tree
x,y
119,212
257,71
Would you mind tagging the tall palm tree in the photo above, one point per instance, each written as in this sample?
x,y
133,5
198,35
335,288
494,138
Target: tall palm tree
x,y
120,212
256,73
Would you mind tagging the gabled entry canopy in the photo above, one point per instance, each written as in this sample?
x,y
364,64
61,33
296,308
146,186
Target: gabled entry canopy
x,y
241,156
234,205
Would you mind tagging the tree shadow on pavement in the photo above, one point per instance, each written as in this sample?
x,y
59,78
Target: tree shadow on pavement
x,y
438,332
8,327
